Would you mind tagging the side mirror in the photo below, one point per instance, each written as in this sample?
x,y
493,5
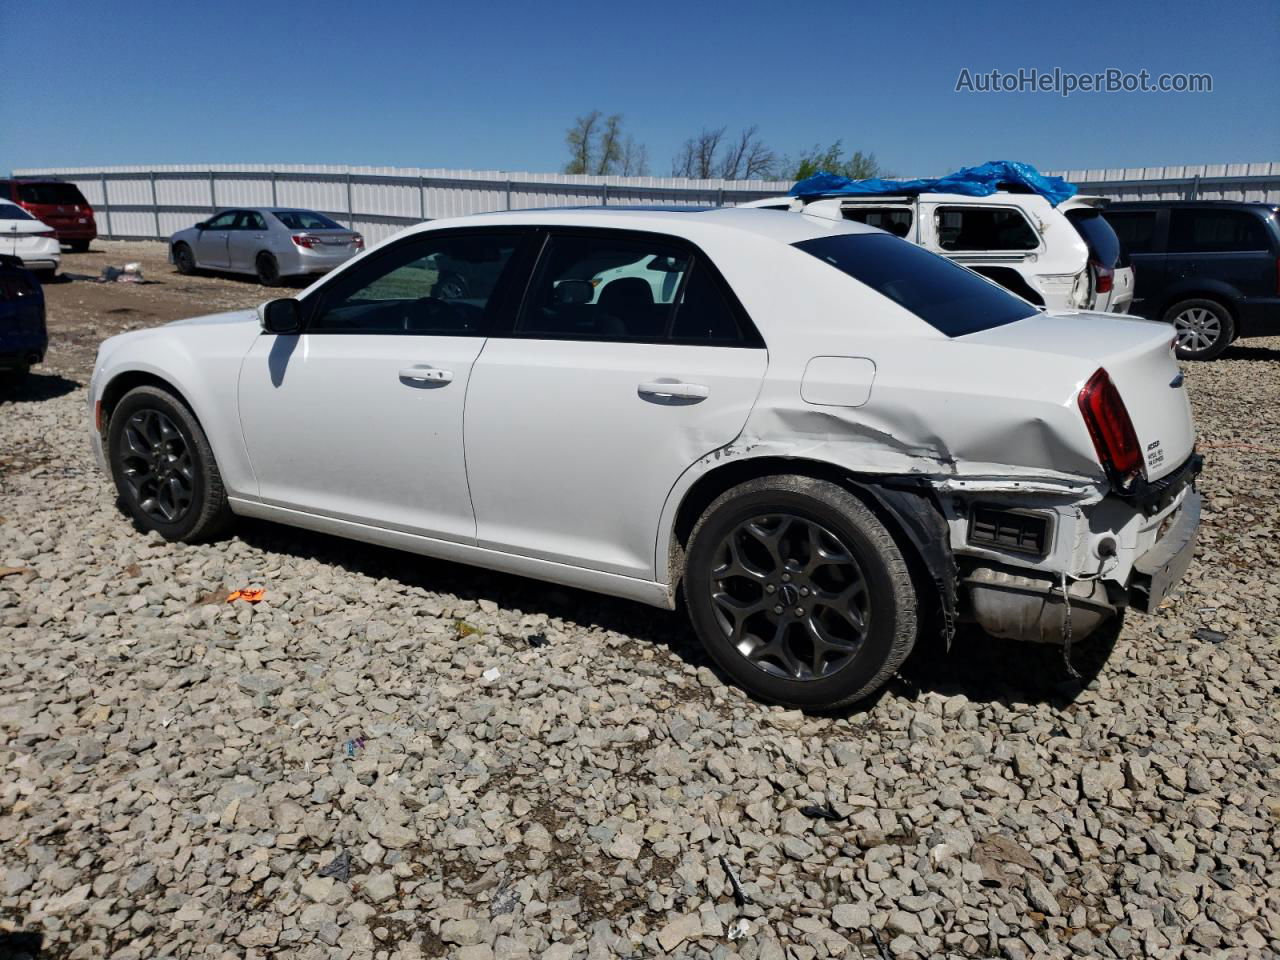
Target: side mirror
x,y
282,316
202,225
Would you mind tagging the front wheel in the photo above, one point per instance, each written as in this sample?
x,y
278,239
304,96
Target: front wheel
x,y
268,270
1204,328
184,260
799,592
164,468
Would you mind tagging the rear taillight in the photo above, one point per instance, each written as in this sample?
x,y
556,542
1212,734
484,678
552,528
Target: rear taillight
x,y
86,210
358,241
305,240
1103,277
1114,438
46,233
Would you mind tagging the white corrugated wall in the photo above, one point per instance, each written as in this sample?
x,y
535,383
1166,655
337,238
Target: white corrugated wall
x,y
156,201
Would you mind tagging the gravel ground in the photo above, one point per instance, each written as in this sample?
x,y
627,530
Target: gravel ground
x,y
394,758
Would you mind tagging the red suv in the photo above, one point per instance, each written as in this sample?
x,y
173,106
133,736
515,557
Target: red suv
x,y
59,204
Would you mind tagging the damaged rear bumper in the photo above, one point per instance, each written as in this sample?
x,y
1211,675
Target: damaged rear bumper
x,y
1023,604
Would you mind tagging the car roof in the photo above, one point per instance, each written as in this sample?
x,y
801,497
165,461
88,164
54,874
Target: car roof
x,y
679,221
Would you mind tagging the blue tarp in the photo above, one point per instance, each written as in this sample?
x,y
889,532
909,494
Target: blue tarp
x,y
971,181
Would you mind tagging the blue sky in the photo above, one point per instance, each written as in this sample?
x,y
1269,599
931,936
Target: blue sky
x,y
494,85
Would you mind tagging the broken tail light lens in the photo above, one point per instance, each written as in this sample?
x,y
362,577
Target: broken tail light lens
x,y
1114,438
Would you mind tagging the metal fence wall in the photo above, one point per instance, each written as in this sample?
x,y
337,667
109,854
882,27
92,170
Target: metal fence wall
x,y
149,202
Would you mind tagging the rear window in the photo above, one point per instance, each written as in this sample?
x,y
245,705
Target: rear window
x,y
951,299
66,194
11,211
1104,245
305,220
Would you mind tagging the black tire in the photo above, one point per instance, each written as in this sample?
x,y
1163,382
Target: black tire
x,y
78,246
12,379
184,259
728,530
144,460
1205,328
268,270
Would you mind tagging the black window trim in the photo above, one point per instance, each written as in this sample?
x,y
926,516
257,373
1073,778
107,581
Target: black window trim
x,y
499,304
750,334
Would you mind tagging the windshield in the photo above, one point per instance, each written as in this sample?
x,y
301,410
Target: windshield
x,y
950,298
1104,245
50,193
305,220
11,211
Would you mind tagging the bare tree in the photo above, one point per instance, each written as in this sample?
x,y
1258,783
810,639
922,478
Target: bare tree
x,y
635,159
697,157
747,157
581,140
710,154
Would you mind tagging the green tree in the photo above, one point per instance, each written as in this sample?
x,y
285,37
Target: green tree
x,y
598,145
858,165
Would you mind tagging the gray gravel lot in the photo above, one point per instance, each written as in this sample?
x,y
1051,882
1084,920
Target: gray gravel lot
x,y
333,773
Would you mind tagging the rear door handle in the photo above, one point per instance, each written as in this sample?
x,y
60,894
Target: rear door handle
x,y
673,389
425,374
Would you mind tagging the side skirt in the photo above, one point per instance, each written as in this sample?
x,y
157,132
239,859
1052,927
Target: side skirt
x,y
629,588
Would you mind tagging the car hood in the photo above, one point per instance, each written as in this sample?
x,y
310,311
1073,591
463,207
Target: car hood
x,y
247,317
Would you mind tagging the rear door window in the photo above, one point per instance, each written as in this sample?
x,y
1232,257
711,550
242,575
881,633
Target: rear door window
x,y
1136,229
66,194
627,287
950,298
984,228
1216,231
895,220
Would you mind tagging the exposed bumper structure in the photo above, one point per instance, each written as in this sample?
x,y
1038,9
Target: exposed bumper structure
x,y
1029,605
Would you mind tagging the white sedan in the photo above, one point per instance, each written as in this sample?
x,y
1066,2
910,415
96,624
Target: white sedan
x,y
825,438
31,241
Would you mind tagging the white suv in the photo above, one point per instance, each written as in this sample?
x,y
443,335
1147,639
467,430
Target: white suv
x,y
826,439
1064,258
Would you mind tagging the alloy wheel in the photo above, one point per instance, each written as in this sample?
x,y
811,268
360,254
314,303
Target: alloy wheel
x,y
1198,329
790,596
157,466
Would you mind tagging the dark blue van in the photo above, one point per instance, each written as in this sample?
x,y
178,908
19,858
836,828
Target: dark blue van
x,y
1209,267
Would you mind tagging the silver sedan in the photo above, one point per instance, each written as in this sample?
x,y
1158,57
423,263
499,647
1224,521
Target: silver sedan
x,y
267,242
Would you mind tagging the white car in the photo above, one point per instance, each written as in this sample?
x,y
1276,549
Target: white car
x,y
1064,258
827,440
33,242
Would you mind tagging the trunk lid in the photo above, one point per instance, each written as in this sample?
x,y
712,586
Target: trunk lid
x,y
1138,358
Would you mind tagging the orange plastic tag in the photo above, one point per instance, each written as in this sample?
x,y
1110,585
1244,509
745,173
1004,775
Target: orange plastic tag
x,y
247,595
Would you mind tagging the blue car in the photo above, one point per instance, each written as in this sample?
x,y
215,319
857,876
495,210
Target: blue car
x,y
23,335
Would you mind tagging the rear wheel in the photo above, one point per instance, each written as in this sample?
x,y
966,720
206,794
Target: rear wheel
x,y
799,592
79,246
184,259
268,270
1204,328
13,378
164,468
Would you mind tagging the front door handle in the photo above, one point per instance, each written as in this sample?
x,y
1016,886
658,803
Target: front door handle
x,y
425,374
673,390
